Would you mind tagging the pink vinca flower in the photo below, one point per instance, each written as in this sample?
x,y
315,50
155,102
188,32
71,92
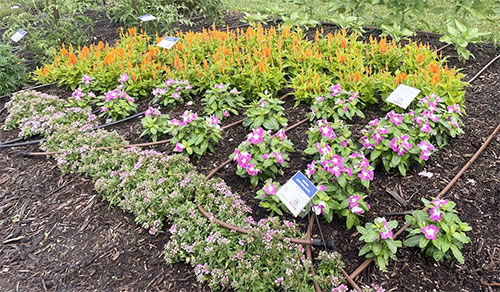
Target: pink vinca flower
x,y
86,79
226,113
311,169
252,170
280,134
435,214
256,136
430,231
319,208
243,159
270,188
123,78
336,89
179,147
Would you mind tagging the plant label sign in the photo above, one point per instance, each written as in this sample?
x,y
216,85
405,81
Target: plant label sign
x,y
18,35
296,193
147,17
167,42
403,95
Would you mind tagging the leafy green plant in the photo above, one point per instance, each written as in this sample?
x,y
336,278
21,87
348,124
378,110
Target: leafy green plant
x,y
262,155
438,231
349,23
379,244
461,35
267,113
336,104
116,103
220,101
396,31
83,97
194,135
255,18
12,70
155,123
172,92
51,23
268,198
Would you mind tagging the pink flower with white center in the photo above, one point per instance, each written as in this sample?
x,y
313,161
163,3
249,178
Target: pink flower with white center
x,y
438,202
382,131
77,94
455,108
327,131
336,89
311,169
86,79
356,210
453,122
153,230
173,229
323,150
353,200
159,91
353,96
251,170
262,103
336,160
430,231
319,209
347,171
188,87
226,113
256,136
344,143
213,121
188,116
366,174
279,157
339,101
270,188
365,141
395,118
169,82
243,159
322,188
319,99
176,95
149,111
426,128
374,122
426,149
217,86
123,78
280,134
335,170
378,138
179,147
435,214
234,91
278,281
265,156
104,109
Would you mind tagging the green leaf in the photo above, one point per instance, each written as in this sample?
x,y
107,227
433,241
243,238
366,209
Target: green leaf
x,y
457,253
461,237
365,249
391,245
412,241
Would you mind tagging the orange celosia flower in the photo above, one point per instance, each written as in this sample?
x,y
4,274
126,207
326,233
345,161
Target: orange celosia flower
x,y
382,45
400,78
343,43
420,58
72,59
357,76
100,46
435,79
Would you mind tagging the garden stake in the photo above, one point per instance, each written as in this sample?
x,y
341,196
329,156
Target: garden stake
x,y
309,253
367,262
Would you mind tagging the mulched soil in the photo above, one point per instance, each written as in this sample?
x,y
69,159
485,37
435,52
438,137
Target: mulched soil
x,y
56,234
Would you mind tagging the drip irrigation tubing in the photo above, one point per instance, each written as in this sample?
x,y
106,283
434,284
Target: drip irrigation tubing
x,y
367,262
31,88
484,68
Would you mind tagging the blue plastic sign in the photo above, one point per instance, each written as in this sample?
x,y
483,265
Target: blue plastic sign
x,y
167,42
147,17
296,193
403,95
18,35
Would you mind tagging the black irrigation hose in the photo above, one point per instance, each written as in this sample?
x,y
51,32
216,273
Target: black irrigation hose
x,y
31,88
7,145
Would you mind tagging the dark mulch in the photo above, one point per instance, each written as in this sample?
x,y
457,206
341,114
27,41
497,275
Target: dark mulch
x,y
56,234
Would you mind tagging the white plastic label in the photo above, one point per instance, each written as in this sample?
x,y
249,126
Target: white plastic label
x,y
147,17
296,193
167,42
18,35
403,95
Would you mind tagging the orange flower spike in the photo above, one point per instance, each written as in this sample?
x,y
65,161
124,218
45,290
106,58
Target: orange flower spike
x,y
343,43
134,77
420,58
435,79
46,70
357,76
382,45
72,59
205,64
64,52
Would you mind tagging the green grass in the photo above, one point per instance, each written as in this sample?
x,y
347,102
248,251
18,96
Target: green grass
x,y
430,22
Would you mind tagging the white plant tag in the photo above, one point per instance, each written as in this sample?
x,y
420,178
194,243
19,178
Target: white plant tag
x,y
147,17
403,95
18,35
167,42
296,193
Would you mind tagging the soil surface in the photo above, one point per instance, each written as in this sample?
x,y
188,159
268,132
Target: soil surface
x,y
56,234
